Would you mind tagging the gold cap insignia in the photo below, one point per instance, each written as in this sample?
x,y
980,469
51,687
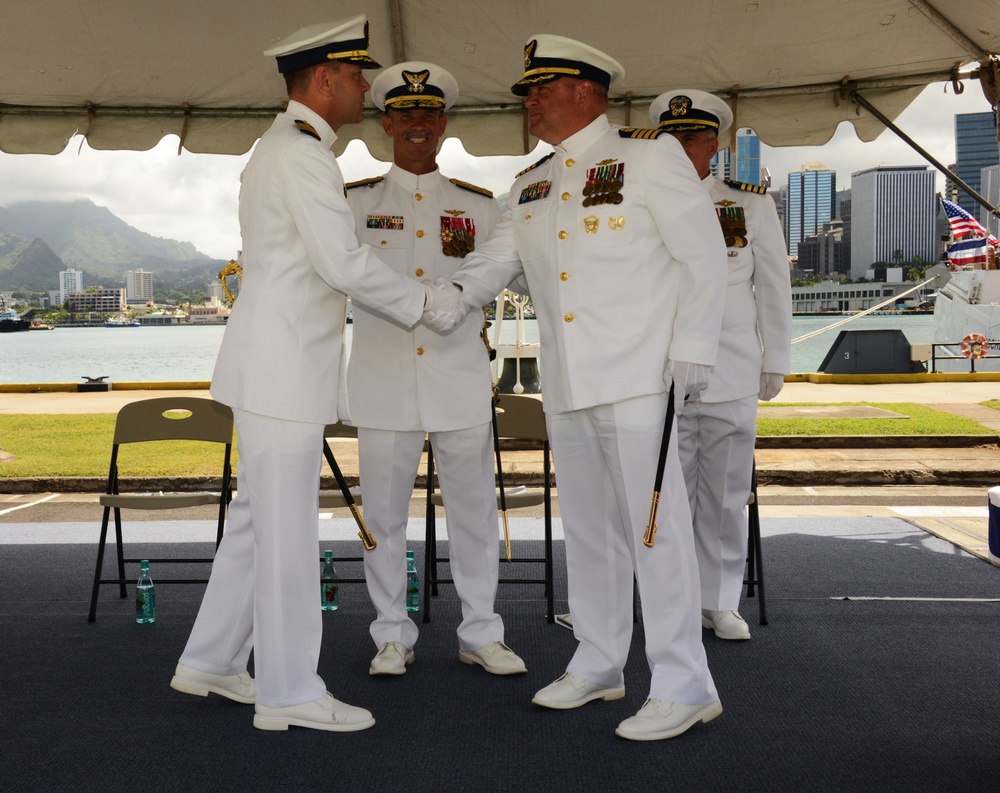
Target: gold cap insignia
x,y
679,106
529,51
416,80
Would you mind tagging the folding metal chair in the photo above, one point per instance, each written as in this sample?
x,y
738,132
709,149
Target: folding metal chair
x,y
163,419
755,561
518,417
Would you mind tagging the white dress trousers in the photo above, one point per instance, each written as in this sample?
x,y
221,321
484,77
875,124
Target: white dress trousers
x,y
606,457
716,449
264,587
389,460
718,431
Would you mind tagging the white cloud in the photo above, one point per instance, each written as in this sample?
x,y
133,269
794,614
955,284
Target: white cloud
x,y
193,197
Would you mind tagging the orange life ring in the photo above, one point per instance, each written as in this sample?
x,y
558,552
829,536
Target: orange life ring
x,y
975,345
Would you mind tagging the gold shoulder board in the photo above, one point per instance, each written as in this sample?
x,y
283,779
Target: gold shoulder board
x,y
362,182
641,134
307,129
472,187
544,159
746,187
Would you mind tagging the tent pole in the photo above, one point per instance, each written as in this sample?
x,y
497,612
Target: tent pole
x,y
398,42
916,147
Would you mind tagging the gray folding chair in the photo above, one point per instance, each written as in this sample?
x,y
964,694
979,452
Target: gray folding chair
x,y
519,417
163,419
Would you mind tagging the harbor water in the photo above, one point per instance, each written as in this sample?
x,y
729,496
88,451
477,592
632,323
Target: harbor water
x,y
187,353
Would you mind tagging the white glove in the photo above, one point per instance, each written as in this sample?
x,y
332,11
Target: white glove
x,y
444,305
770,385
690,380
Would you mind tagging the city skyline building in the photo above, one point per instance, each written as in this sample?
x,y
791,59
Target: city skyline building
x,y
743,165
809,202
989,188
70,281
138,286
893,210
975,149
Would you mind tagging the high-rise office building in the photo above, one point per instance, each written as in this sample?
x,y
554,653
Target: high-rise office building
x,y
744,164
893,208
844,214
989,188
138,286
975,149
810,201
721,164
69,281
747,157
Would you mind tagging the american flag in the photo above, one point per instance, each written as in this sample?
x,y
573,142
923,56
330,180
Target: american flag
x,y
963,224
968,252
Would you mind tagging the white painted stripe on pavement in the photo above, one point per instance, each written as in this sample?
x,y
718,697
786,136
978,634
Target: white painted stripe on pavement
x,y
30,504
941,512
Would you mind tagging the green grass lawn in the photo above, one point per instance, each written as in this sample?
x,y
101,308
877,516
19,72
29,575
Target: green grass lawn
x,y
80,445
920,420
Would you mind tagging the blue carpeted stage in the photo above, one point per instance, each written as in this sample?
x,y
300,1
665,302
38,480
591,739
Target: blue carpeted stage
x,y
879,670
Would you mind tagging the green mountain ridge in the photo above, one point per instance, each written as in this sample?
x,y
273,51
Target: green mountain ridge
x,y
40,238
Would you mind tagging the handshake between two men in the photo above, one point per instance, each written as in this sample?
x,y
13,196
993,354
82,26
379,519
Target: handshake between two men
x,y
444,305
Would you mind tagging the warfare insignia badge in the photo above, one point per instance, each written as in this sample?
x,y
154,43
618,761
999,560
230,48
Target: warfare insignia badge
x,y
591,224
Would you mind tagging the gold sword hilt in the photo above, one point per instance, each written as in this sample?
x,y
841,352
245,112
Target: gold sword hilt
x,y
506,535
650,537
366,536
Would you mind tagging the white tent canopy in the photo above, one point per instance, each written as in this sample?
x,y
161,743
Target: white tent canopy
x,y
125,73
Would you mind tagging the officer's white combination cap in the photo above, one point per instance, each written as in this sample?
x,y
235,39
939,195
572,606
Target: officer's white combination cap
x,y
345,41
414,84
548,57
688,110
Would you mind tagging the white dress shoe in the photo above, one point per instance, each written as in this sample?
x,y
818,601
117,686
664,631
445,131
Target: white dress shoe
x,y
659,719
726,624
391,659
496,658
239,688
572,691
321,714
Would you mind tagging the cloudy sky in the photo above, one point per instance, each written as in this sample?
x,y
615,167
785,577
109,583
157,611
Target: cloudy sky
x,y
193,197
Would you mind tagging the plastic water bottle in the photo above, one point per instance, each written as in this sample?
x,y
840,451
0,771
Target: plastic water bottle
x,y
412,584
145,596
329,589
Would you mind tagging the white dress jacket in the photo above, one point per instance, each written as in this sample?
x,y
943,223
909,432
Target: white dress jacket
x,y
281,352
757,320
619,287
417,379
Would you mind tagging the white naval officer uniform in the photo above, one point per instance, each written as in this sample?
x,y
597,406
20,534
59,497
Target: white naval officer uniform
x,y
403,383
619,289
718,429
278,368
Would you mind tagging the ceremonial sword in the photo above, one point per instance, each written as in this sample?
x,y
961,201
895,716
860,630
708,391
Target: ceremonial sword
x,y
650,535
366,537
